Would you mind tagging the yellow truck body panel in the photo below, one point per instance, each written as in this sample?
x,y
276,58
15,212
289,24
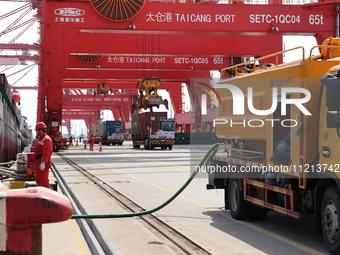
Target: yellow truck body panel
x,y
263,133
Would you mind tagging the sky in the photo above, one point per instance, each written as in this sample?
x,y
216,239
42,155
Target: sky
x,y
29,97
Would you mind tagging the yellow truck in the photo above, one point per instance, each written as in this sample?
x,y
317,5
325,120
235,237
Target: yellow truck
x,y
283,125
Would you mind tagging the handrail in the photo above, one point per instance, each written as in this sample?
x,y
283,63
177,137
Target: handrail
x,y
242,152
276,55
323,52
246,151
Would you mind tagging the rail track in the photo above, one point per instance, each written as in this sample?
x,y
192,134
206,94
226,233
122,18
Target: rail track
x,y
179,240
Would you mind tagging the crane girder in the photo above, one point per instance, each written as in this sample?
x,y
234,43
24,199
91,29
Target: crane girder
x,y
165,45
95,102
105,75
72,115
174,42
223,19
128,86
34,58
19,46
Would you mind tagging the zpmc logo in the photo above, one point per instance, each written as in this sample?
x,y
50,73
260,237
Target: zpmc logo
x,y
69,12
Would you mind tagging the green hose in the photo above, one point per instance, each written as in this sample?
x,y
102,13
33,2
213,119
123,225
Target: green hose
x,y
206,159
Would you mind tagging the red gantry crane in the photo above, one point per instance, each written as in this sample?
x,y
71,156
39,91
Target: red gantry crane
x,y
88,42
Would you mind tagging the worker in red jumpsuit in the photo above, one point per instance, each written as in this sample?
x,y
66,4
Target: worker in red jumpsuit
x,y
42,155
91,142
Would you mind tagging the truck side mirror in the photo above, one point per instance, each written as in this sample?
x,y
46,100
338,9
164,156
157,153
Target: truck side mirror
x,y
333,119
332,91
332,85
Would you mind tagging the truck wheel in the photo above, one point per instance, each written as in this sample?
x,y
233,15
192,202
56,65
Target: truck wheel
x,y
134,145
330,220
146,145
170,147
56,147
239,208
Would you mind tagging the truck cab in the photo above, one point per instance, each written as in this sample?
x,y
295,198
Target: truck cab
x,y
162,137
167,130
152,129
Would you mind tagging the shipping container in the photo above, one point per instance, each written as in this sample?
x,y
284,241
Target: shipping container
x,y
140,122
97,130
113,132
109,126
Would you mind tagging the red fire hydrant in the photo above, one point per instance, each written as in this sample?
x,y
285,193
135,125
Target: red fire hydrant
x,y
22,213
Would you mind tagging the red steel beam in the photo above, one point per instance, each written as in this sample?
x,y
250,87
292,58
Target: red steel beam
x,y
156,62
201,29
125,113
129,86
136,75
34,58
116,113
160,18
19,46
25,87
95,102
78,114
166,45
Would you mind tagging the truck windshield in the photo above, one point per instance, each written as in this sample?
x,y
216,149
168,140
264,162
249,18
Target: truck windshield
x,y
167,126
118,130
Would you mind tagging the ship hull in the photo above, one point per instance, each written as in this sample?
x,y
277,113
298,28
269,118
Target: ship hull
x,y
9,142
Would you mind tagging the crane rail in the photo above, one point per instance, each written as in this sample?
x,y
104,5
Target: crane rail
x,y
181,241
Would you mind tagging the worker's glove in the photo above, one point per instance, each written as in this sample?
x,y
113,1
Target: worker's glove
x,y
42,166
